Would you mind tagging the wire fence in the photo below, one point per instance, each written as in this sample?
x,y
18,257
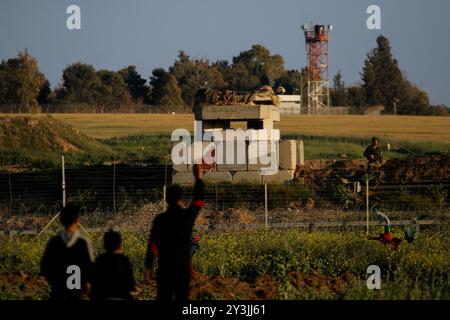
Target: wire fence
x,y
114,188
423,225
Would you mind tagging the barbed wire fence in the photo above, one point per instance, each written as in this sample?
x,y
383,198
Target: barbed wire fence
x,y
118,188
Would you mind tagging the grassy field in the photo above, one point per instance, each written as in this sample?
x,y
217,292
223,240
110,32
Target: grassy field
x,y
401,128
418,129
267,265
146,137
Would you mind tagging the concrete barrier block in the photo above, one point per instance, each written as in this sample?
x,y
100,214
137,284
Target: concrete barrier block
x,y
281,176
234,161
207,152
247,177
288,155
216,176
263,135
180,151
183,178
260,155
180,167
300,153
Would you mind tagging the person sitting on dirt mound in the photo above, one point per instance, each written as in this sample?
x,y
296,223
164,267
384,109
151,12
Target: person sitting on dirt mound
x,y
171,241
373,154
113,275
67,263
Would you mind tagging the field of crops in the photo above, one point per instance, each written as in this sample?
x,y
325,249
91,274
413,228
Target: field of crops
x,y
146,137
401,128
269,265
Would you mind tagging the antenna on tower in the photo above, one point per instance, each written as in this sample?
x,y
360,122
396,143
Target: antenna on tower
x,y
316,41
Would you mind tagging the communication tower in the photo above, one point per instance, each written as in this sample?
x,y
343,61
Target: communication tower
x,y
316,41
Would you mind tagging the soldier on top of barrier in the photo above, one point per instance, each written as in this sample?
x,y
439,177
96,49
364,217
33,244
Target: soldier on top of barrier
x,y
373,154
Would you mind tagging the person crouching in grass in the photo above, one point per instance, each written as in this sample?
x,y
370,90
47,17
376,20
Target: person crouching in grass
x,y
113,275
67,263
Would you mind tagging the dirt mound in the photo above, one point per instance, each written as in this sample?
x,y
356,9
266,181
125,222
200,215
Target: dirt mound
x,y
320,283
434,169
41,139
219,288
19,285
23,286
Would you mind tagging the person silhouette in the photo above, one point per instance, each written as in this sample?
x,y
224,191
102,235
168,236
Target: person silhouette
x,y
171,241
113,272
68,252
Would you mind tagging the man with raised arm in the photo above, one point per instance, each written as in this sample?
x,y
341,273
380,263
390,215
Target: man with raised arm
x,y
171,240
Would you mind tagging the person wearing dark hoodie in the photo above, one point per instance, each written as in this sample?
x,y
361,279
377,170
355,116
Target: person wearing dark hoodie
x,y
113,275
67,263
171,241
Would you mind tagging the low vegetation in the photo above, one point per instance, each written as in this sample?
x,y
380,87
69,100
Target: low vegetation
x,y
268,265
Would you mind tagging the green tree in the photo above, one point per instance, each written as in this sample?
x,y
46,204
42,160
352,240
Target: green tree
x,y
193,74
254,68
135,83
384,83
440,110
171,93
44,93
339,92
291,81
114,92
356,96
157,81
413,100
21,82
82,85
382,78
164,89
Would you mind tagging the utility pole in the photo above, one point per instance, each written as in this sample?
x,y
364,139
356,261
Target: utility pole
x,y
367,204
63,182
114,183
395,106
266,207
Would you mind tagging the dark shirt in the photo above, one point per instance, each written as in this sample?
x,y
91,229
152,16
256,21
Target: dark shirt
x,y
113,277
62,251
373,154
171,234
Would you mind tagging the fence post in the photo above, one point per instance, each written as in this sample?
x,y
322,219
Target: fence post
x,y
63,182
417,228
217,198
266,211
114,183
165,186
367,204
10,194
300,153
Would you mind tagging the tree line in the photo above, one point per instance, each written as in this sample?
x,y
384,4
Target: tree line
x,y
23,88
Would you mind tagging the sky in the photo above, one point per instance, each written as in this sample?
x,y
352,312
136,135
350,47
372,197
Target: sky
x,y
149,34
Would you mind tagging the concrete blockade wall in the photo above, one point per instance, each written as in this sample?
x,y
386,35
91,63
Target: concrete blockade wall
x,y
256,149
183,178
222,154
281,176
216,176
247,177
208,149
180,148
288,154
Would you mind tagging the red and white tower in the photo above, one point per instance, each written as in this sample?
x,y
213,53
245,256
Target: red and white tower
x,y
316,41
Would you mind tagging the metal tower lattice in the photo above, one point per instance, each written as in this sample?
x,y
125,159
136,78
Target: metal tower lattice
x,y
316,41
